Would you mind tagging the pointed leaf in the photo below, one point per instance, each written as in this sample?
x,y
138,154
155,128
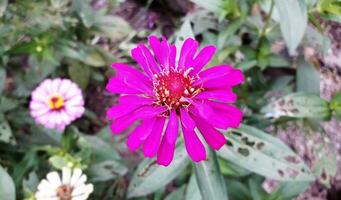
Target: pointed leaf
x,y
150,177
293,21
264,154
7,189
210,180
307,77
299,105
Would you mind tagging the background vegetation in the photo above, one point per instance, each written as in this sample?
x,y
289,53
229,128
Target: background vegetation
x,y
279,44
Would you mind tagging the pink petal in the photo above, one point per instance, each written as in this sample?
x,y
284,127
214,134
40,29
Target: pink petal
x,y
166,151
188,50
224,95
122,123
150,59
202,59
165,56
194,147
116,85
213,137
124,70
165,154
127,104
155,44
226,75
152,142
205,111
144,112
172,130
172,56
145,59
139,134
138,56
231,115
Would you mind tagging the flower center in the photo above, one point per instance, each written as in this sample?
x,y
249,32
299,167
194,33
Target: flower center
x,y
56,102
173,88
64,192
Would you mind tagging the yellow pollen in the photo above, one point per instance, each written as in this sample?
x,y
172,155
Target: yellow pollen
x,y
56,102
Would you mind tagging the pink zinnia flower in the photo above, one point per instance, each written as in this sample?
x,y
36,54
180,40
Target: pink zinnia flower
x,y
166,91
55,103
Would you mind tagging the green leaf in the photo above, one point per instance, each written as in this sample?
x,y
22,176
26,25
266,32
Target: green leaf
x,y
278,61
184,33
307,77
288,190
193,191
228,32
102,149
246,65
31,182
264,154
80,74
216,6
58,162
7,189
150,177
298,105
237,190
293,21
320,42
2,79
335,105
107,170
113,27
6,134
230,169
84,53
177,194
3,6
85,12
210,180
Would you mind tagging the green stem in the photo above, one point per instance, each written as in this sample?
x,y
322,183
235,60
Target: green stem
x,y
267,20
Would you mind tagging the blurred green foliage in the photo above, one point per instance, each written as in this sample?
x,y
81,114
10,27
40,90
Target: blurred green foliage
x,y
264,38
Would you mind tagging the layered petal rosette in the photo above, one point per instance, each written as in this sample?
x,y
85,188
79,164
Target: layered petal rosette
x,y
167,94
55,103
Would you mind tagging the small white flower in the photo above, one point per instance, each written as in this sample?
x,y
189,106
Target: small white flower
x,y
69,187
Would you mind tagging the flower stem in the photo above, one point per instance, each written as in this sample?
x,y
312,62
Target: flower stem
x,y
267,20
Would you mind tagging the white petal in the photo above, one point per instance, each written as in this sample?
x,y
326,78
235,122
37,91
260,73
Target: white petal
x,y
55,85
65,117
66,174
64,86
46,86
75,101
45,195
83,189
45,185
74,112
75,176
81,197
54,179
39,95
74,90
39,112
81,181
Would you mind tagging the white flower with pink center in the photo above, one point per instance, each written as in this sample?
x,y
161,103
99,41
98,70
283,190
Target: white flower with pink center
x,y
55,103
